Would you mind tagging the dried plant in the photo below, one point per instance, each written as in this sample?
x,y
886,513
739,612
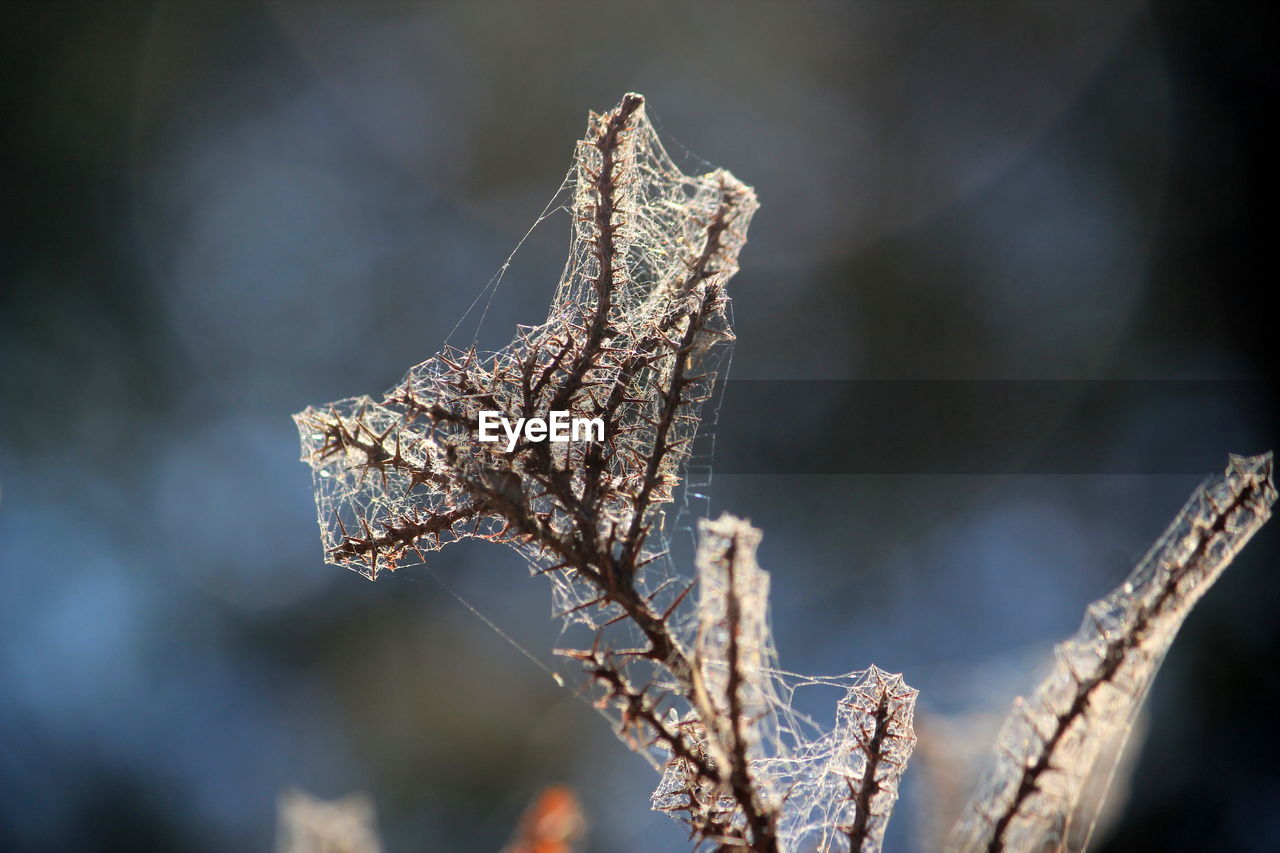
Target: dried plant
x,y
1050,747
694,686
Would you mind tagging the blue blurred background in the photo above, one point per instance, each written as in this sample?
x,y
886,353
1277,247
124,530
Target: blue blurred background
x,y
218,213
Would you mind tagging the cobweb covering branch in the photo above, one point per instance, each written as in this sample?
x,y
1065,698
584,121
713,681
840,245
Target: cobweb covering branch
x,y
764,770
639,305
1050,745
629,340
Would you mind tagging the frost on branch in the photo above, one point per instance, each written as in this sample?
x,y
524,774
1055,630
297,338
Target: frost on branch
x,y
1050,747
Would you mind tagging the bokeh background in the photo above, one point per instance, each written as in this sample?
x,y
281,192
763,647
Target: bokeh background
x,y
218,213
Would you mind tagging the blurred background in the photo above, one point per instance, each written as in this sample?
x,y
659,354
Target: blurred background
x,y
216,214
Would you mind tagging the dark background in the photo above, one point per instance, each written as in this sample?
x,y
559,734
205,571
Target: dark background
x,y
216,214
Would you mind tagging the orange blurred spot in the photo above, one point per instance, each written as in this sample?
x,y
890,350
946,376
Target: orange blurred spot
x,y
551,825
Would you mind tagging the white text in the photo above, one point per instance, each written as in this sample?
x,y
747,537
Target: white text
x,y
557,426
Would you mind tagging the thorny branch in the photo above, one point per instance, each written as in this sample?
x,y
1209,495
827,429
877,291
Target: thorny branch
x,y
1049,746
629,341
642,302
880,719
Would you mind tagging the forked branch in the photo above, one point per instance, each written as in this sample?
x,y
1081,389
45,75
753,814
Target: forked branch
x,y
630,343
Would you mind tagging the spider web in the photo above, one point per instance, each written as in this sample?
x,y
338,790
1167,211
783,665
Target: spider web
x,y
377,467
1068,734
398,478
823,782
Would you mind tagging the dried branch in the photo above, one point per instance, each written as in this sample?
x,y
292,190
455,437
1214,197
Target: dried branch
x,y
629,344
1050,744
878,717
731,651
641,304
